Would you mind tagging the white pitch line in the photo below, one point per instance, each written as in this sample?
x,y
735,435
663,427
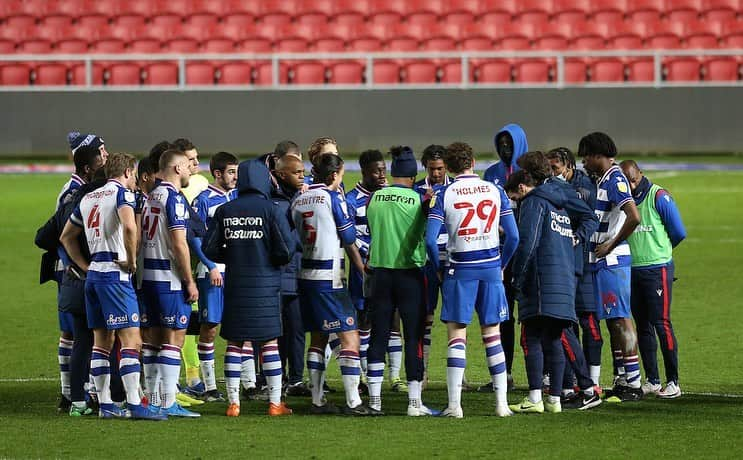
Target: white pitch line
x,y
691,393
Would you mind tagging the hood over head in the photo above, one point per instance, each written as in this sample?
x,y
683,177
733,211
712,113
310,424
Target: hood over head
x,y
253,177
555,191
518,135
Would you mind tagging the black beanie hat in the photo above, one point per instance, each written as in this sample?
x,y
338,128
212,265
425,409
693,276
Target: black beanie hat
x,y
404,163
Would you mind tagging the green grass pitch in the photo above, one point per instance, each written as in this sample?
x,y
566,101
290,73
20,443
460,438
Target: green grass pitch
x,y
706,305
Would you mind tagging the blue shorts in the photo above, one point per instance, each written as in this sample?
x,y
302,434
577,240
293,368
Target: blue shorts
x,y
462,297
167,309
612,290
65,321
211,301
144,318
327,311
111,305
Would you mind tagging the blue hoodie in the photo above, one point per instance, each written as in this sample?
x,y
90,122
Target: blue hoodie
x,y
499,172
252,237
544,274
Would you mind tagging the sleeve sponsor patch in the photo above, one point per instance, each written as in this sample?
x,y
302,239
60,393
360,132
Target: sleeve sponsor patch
x,y
622,187
129,197
180,210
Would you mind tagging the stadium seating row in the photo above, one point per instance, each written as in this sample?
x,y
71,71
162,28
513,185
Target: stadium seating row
x,y
262,39
384,72
377,11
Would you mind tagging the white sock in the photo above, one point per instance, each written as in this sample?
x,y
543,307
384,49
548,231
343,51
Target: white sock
x,y
394,349
151,371
333,349
535,396
206,362
350,373
364,335
496,359
595,372
414,393
232,364
64,353
316,367
169,359
101,370
375,376
129,369
272,370
500,381
247,369
553,399
456,360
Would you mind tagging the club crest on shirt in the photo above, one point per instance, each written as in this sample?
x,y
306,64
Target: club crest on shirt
x,y
183,319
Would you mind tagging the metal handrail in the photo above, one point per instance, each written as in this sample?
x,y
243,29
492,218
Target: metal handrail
x,y
369,58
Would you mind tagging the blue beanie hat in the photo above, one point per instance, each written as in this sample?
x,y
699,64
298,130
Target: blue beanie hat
x,y
79,141
404,163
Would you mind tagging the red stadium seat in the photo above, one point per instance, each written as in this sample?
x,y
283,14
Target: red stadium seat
x,y
397,7
720,10
77,74
56,20
127,33
9,7
181,45
477,44
72,8
276,11
683,69
460,12
255,45
367,44
532,71
314,11
645,10
350,11
109,8
205,20
732,34
385,19
19,21
109,45
239,20
35,47
291,45
533,11
37,8
402,44
608,11
590,42
124,74
145,45
303,31
269,31
575,71
236,73
166,20
439,44
263,74
701,41
490,31
308,73
607,70
134,21
386,72
721,69
51,74
494,72
419,72
92,19
178,7
15,74
683,10
625,42
161,73
570,11
551,43
506,8
311,19
329,45
53,33
218,8
7,46
218,45
347,73
143,8
663,41
451,72
199,73
641,70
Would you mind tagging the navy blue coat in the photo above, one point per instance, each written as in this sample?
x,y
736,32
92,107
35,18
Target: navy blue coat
x,y
252,238
584,300
544,262
283,197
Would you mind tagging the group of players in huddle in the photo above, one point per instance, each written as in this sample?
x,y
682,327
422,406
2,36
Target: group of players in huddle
x,y
568,247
